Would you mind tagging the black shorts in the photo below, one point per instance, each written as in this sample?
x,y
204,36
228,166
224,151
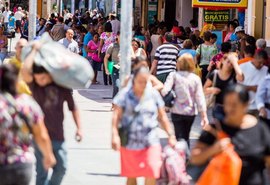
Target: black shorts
x,y
18,23
96,65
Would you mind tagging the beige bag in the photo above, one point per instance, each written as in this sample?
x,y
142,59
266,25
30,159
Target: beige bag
x,y
211,98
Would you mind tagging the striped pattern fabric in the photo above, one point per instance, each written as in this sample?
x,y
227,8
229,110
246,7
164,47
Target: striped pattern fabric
x,y
166,55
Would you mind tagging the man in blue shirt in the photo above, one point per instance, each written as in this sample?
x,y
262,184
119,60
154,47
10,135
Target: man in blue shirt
x,y
87,38
12,20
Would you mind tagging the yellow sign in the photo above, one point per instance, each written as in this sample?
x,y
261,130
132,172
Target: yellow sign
x,y
220,3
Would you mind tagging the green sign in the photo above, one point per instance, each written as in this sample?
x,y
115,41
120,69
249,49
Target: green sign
x,y
152,10
216,16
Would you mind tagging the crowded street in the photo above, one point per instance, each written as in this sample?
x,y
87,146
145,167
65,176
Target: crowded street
x,y
135,92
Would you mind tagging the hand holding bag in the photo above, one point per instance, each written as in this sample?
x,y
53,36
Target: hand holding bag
x,y
169,98
225,168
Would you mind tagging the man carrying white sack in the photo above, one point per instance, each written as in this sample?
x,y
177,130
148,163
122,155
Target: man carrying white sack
x,y
51,98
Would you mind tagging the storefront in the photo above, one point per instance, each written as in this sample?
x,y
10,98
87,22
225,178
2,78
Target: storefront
x,y
258,19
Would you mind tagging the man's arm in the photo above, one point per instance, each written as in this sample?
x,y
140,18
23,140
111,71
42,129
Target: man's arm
x,y
75,113
27,66
153,70
77,120
252,88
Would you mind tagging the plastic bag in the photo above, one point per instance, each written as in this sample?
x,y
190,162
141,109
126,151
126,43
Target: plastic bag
x,y
66,68
198,71
225,168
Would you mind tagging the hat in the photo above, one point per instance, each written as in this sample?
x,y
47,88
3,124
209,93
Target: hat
x,y
239,29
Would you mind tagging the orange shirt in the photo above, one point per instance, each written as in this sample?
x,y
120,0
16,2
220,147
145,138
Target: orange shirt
x,y
244,60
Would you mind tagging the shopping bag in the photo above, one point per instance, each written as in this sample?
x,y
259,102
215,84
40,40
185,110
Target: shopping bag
x,y
198,71
66,68
225,168
110,66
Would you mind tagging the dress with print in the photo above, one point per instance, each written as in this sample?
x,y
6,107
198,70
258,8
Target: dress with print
x,y
108,38
15,130
142,154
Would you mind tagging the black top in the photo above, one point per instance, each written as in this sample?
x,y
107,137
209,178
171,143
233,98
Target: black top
x,y
222,85
252,145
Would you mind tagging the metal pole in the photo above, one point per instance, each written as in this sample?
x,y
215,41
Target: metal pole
x,y
125,41
90,7
57,4
61,7
32,19
49,7
72,7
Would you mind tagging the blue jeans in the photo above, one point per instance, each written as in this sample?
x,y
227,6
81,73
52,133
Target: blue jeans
x,y
115,81
59,170
2,57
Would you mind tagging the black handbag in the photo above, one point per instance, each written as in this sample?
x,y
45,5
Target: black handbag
x,y
124,131
169,99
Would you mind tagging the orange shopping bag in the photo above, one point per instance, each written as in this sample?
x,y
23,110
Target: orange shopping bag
x,y
224,169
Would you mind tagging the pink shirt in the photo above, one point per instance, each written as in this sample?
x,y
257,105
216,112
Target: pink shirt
x,y
93,46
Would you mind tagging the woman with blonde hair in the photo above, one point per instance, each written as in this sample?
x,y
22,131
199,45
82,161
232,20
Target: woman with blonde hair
x,y
189,97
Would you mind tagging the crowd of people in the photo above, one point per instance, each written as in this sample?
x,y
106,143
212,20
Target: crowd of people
x,y
232,82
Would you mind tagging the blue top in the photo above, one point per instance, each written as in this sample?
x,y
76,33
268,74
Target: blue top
x,y
190,51
233,37
12,21
140,37
263,94
86,39
140,116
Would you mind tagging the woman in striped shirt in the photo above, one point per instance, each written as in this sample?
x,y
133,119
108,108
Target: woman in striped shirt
x,y
189,97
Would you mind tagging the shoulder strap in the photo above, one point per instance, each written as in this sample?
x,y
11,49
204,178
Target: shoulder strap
x,y
215,78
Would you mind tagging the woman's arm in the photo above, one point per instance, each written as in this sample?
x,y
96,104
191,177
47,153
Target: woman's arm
x,y
106,60
166,126
117,115
42,139
160,40
208,89
168,85
158,85
201,103
100,47
234,61
202,153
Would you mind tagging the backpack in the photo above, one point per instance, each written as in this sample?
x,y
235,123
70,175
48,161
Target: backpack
x,y
173,171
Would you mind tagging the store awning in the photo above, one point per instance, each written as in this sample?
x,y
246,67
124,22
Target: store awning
x,y
215,4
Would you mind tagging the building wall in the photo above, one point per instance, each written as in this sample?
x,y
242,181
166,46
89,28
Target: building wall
x,y
184,12
267,22
258,21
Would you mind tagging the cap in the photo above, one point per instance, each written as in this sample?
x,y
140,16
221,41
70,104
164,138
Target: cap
x,y
239,29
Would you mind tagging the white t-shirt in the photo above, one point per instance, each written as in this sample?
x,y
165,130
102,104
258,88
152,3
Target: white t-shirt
x,y
155,44
18,15
6,15
115,26
253,77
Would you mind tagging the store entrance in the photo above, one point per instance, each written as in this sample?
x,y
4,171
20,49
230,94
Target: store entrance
x,y
170,13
